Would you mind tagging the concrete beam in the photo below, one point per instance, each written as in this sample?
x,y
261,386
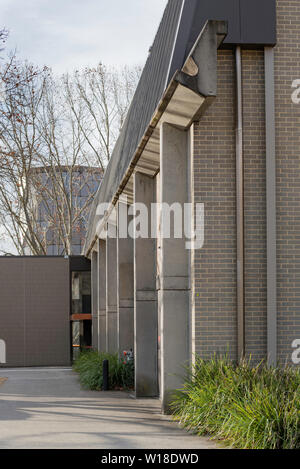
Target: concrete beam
x,y
101,295
145,297
124,282
111,290
199,72
174,294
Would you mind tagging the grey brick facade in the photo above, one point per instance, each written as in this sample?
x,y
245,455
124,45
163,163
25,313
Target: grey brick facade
x,y
287,69
214,185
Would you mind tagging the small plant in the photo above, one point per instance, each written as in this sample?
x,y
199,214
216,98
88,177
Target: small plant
x,y
247,407
89,366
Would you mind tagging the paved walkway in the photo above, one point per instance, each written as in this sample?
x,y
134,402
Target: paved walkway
x,y
46,408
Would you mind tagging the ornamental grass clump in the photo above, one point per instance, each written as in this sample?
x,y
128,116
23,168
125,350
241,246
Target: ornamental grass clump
x,y
89,365
247,407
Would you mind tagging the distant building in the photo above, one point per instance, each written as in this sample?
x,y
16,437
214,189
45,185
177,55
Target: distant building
x,y
53,189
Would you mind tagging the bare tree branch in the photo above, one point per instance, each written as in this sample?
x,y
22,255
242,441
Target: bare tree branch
x,y
56,138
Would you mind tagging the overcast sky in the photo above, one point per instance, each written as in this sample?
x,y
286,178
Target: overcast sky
x,y
69,34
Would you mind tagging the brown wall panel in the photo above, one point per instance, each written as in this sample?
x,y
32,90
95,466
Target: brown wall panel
x,y
34,311
12,309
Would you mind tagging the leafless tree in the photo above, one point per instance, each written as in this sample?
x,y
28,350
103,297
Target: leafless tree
x,y
99,99
19,143
56,137
10,78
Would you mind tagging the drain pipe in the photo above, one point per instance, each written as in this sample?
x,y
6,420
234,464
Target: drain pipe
x,y
240,210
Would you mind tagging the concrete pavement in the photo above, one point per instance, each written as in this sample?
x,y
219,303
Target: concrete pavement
x,y
46,408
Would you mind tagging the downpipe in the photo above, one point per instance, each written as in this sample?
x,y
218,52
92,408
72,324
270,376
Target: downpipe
x,y
240,209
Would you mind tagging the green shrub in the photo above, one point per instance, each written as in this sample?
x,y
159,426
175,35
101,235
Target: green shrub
x,y
247,407
89,366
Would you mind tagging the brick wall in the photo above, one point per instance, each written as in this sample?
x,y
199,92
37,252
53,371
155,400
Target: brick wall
x,y
35,310
287,69
255,204
214,182
215,186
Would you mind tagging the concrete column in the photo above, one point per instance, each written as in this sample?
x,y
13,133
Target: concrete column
x,y
101,295
174,257
94,284
145,297
125,282
111,290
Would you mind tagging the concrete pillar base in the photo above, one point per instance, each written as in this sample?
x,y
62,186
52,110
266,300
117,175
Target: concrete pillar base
x,y
102,331
111,291
174,342
145,297
146,356
95,325
112,332
101,295
125,282
126,327
174,295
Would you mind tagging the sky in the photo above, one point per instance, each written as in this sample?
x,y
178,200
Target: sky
x,y
72,34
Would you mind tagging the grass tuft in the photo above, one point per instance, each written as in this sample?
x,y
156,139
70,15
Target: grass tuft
x,y
247,407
